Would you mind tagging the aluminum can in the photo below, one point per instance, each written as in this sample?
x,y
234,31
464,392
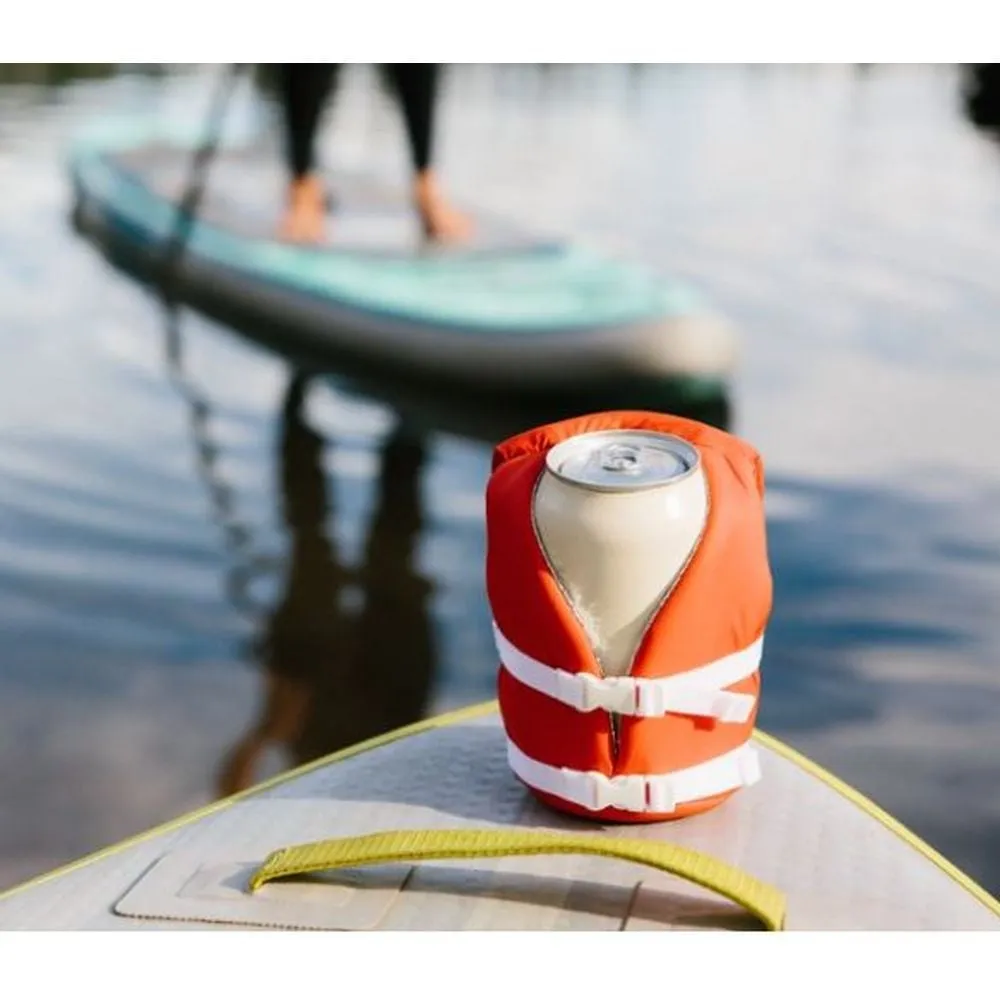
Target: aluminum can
x,y
619,515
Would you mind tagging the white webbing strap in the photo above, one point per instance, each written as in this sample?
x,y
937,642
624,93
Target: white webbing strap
x,y
638,793
698,692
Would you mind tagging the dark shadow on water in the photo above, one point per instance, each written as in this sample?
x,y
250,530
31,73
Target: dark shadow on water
x,y
335,674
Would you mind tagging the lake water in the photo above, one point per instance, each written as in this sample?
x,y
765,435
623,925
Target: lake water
x,y
187,556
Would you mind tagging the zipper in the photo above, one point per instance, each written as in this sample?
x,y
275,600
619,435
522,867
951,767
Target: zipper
x,y
661,603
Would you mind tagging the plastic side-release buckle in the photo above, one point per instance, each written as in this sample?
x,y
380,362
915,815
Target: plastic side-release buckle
x,y
570,689
613,694
662,797
657,699
596,791
728,706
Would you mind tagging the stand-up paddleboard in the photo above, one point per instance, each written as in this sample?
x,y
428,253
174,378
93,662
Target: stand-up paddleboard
x,y
504,312
427,828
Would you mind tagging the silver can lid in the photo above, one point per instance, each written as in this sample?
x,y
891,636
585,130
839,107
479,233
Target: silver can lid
x,y
622,461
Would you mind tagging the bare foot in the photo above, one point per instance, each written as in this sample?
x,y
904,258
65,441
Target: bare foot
x,y
441,222
304,220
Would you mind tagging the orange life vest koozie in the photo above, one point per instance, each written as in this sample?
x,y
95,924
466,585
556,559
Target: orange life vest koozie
x,y
673,738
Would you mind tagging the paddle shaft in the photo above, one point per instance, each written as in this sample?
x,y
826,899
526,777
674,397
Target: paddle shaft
x,y
188,205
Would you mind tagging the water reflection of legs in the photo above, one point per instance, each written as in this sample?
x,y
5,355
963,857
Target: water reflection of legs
x,y
389,680
333,678
306,634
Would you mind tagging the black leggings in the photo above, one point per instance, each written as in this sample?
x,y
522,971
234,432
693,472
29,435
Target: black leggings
x,y
305,87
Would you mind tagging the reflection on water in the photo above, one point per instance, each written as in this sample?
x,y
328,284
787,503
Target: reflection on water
x,y
343,655
250,557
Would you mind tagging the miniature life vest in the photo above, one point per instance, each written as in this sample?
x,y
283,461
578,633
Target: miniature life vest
x,y
672,738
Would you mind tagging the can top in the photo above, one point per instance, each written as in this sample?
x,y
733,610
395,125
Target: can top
x,y
622,460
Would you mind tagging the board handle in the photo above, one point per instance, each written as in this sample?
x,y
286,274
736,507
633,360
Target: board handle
x,y
764,901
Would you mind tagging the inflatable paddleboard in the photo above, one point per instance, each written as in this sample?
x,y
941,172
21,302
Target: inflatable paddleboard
x,y
505,312
427,828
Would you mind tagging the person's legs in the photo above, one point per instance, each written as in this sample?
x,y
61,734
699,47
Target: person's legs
x,y
304,89
416,87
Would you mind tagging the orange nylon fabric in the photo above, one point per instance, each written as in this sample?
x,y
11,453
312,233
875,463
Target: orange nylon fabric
x,y
720,605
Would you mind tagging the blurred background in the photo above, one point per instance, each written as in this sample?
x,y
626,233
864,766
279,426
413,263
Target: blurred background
x,y
186,550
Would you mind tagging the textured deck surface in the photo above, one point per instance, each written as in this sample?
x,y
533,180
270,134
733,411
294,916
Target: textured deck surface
x,y
840,867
